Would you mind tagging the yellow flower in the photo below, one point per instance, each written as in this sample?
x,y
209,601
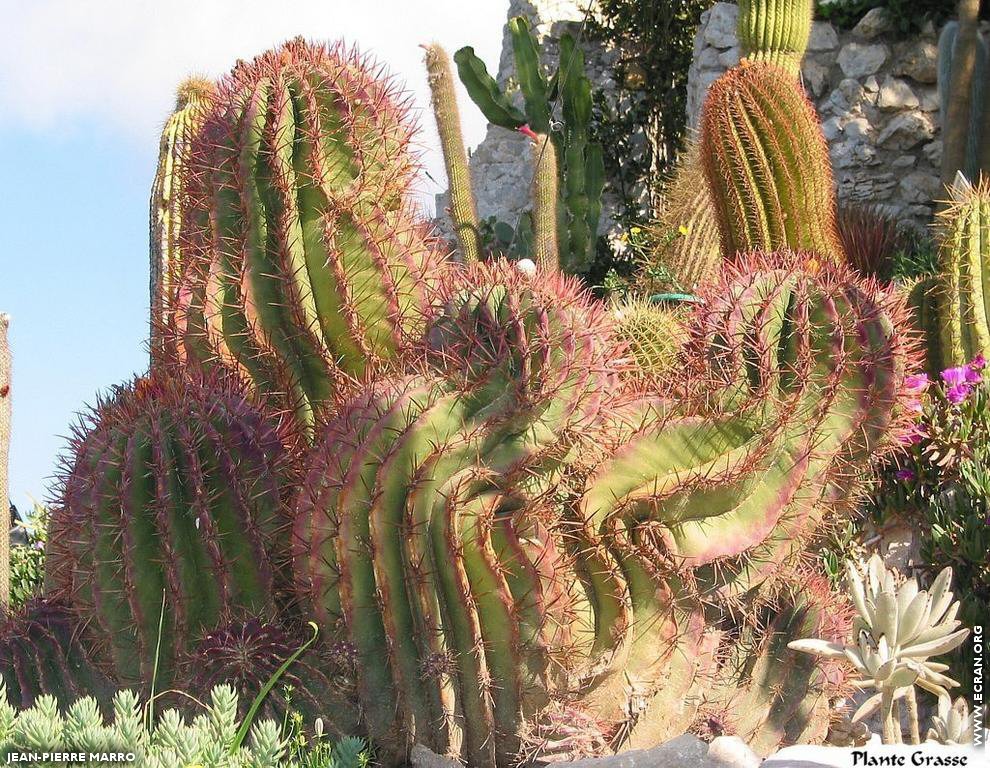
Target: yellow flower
x,y
635,230
682,229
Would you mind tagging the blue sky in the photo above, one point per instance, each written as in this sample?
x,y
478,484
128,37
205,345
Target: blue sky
x,y
84,89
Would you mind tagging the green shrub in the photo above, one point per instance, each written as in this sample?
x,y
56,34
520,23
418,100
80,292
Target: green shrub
x,y
27,560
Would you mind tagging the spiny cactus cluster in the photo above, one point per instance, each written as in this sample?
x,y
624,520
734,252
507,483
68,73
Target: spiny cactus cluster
x,y
307,264
171,518
964,295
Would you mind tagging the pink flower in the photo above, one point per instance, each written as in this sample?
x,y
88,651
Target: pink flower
x,y
916,382
957,393
973,374
978,363
954,377
525,130
905,474
914,435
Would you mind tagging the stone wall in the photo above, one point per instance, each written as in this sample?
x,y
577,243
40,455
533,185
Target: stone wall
x,y
876,97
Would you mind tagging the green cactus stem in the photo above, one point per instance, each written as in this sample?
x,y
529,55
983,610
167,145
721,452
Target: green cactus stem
x,y
170,514
168,198
310,264
964,253
978,110
655,335
767,165
546,250
775,31
42,653
444,99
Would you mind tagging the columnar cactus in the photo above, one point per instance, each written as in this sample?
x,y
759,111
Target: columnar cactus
x,y
767,164
5,400
168,198
41,653
170,519
546,249
444,98
309,263
517,539
689,248
964,299
775,31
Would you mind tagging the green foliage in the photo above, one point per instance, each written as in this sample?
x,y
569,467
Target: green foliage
x,y
27,560
559,107
208,741
940,485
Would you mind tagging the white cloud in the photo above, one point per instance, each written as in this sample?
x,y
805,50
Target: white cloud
x,y
116,62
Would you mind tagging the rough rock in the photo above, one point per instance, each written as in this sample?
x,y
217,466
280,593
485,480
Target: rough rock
x,y
823,37
896,94
918,59
815,76
876,22
424,757
920,187
933,152
906,130
862,59
720,30
733,751
728,59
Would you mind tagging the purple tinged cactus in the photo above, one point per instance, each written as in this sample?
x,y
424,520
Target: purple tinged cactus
x,y
171,512
309,264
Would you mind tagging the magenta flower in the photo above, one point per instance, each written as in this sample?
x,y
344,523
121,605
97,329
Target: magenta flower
x,y
957,393
955,377
978,363
914,435
916,382
973,374
905,474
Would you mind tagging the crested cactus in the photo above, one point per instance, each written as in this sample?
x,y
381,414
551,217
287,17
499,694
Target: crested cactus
x,y
580,163
309,263
168,199
444,99
170,520
964,255
41,654
689,249
767,164
530,554
775,31
246,654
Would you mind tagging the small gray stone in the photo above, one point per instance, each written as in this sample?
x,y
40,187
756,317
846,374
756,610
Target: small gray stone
x,y
896,94
848,96
862,59
823,37
733,751
858,128
918,60
933,152
876,22
423,757
904,161
831,128
721,28
729,58
906,130
870,84
815,76
928,98
919,187
686,750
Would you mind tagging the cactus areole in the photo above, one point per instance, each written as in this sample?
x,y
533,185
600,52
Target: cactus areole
x,y
309,265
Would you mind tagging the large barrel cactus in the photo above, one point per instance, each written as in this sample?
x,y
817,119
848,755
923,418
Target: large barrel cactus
x,y
170,520
168,199
964,268
309,264
516,539
41,653
767,164
776,31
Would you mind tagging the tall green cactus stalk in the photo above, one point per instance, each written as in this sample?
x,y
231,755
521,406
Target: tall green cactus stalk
x,y
767,164
170,520
546,249
448,117
42,652
5,411
964,299
964,65
310,264
581,166
168,199
775,31
689,248
513,536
